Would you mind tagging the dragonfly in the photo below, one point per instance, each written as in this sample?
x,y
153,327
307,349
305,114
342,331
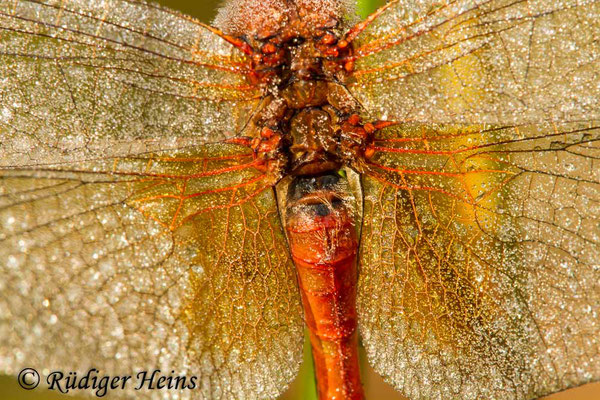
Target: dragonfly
x,y
188,197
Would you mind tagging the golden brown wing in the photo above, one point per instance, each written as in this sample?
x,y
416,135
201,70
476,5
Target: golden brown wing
x,y
480,274
127,242
479,270
173,261
481,61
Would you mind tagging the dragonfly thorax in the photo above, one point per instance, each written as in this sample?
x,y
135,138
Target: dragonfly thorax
x,y
308,121
314,137
310,127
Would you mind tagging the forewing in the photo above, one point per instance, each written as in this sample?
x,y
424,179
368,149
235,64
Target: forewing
x,y
483,61
172,261
479,266
90,79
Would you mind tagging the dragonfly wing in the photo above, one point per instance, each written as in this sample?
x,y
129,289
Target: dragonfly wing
x,y
479,270
495,61
171,261
128,241
84,79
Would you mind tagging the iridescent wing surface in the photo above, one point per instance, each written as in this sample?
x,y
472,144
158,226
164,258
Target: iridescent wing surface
x,y
480,273
132,237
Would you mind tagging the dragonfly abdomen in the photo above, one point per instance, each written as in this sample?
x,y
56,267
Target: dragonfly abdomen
x,y
320,225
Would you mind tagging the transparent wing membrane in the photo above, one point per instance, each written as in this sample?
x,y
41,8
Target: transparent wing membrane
x,y
482,246
483,61
99,79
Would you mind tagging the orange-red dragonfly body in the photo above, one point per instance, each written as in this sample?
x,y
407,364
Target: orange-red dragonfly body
x,y
308,130
184,197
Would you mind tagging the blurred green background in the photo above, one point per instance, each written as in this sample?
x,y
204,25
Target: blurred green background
x,y
303,387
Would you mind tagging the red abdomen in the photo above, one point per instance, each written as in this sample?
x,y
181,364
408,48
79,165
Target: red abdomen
x,y
323,240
